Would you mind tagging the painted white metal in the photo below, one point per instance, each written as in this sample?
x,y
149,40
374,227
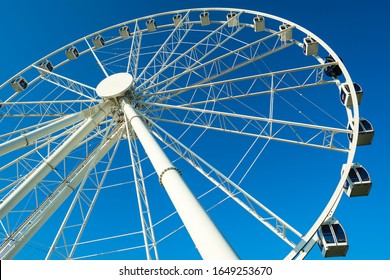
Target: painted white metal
x,y
281,74
223,122
205,234
34,222
115,85
352,113
16,195
227,68
96,58
67,83
28,138
72,241
132,63
213,35
233,190
176,32
142,197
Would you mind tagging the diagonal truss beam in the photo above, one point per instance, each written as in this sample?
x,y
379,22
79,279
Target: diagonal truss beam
x,y
36,220
293,132
30,137
35,176
133,59
79,88
214,36
311,75
72,242
175,33
217,66
142,197
259,211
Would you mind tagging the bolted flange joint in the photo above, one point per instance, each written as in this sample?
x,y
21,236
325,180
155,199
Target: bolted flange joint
x,y
166,170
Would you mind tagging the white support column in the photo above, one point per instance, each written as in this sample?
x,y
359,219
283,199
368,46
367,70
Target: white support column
x,y
206,236
28,138
34,222
56,157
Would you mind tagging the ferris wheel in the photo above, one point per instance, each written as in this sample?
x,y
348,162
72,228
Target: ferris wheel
x,y
215,133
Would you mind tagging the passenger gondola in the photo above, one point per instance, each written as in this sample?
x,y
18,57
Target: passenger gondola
x,y
19,84
259,23
72,53
332,70
358,182
177,20
124,32
98,41
286,35
45,66
310,46
204,19
345,94
232,19
366,133
332,239
151,25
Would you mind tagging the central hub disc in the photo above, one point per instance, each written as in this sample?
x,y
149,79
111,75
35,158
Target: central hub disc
x,y
115,85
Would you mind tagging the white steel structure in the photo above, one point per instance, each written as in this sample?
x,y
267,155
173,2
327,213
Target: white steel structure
x,y
186,131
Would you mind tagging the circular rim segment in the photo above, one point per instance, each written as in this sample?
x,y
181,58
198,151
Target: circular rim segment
x,y
151,91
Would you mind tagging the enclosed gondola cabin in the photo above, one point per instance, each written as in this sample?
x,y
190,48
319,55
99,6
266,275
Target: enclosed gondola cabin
x,y
19,84
72,53
45,66
124,32
258,23
358,182
98,41
332,70
332,239
345,94
204,18
232,19
286,33
310,46
177,20
366,133
151,25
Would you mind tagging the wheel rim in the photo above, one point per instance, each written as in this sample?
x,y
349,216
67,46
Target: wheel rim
x,y
193,83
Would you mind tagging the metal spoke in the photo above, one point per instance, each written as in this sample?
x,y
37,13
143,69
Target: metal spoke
x,y
193,50
143,203
17,194
30,137
31,225
73,241
244,88
96,58
218,68
312,76
232,190
176,34
293,132
132,64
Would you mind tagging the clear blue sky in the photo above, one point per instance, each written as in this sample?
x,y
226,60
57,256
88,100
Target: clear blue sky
x,y
355,30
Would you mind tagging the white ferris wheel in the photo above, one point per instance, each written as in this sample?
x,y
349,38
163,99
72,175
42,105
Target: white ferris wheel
x,y
225,133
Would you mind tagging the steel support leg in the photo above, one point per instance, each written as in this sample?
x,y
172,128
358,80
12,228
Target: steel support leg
x,y
30,137
37,219
206,236
49,163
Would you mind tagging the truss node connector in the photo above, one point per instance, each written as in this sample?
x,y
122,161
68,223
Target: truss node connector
x,y
166,170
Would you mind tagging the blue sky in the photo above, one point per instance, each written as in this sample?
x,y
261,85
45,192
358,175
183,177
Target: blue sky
x,y
354,30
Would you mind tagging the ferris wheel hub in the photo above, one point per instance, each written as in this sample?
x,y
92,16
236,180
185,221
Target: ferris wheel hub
x,y
116,85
